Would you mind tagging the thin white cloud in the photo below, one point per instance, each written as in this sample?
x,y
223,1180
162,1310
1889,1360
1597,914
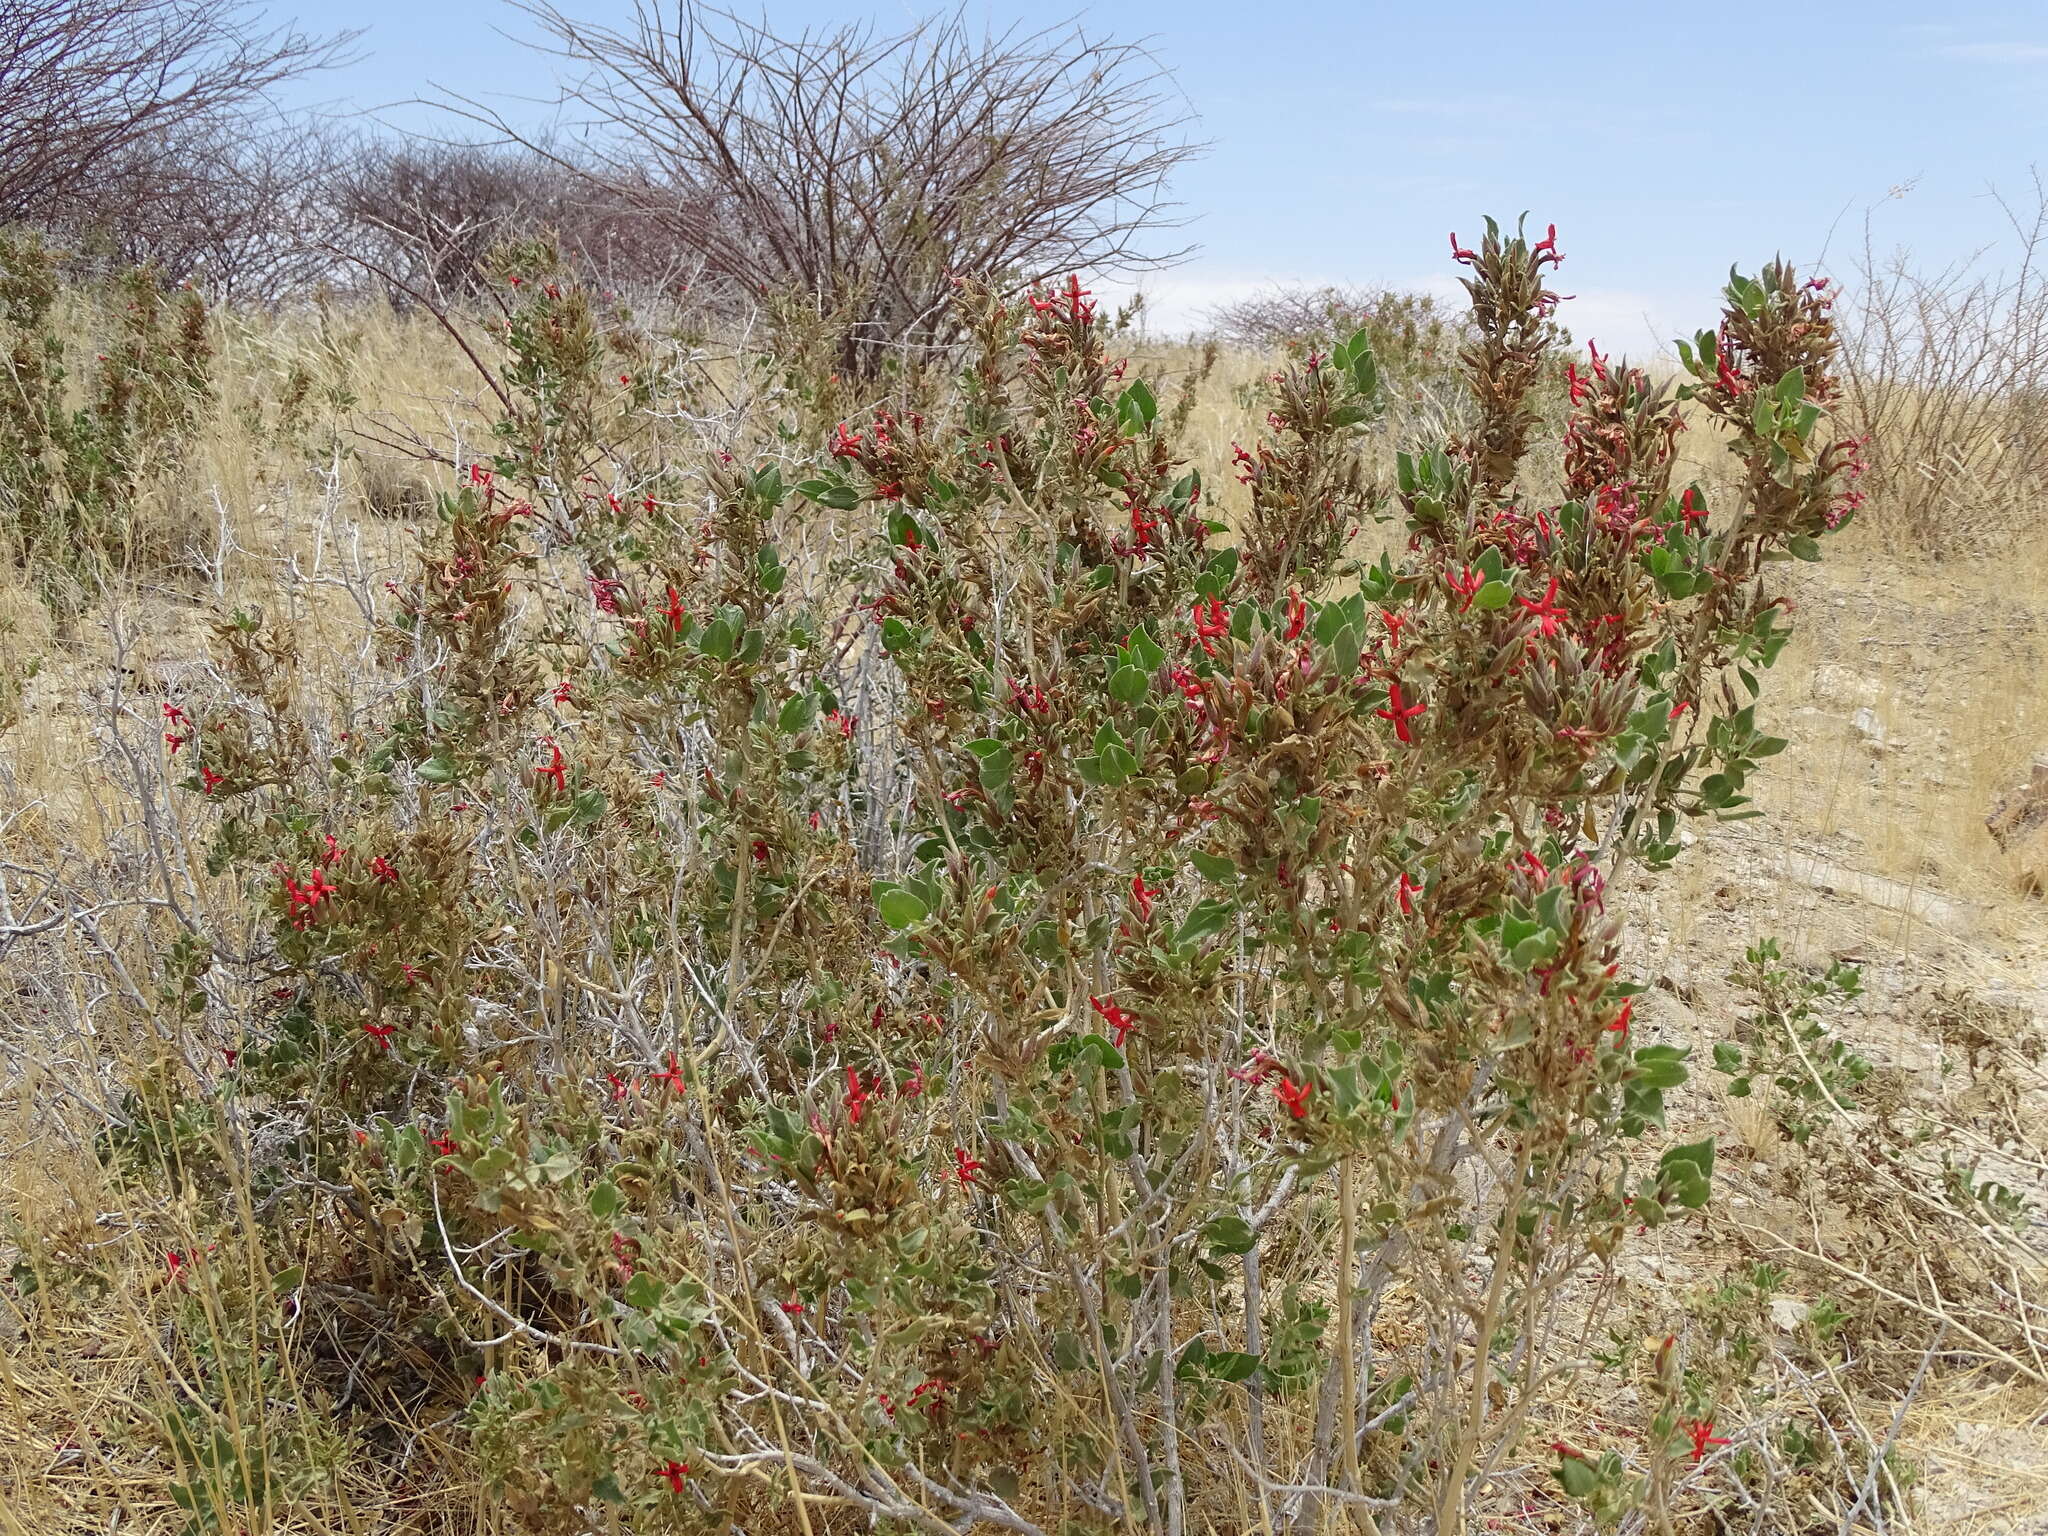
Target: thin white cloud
x,y
1997,53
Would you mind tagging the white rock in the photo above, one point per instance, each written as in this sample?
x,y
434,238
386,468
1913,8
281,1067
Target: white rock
x,y
1787,1313
1870,730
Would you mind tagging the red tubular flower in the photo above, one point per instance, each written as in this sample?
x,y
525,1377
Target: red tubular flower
x,y
1546,612
1297,614
381,1033
557,767
1547,246
1406,891
1459,253
1400,713
1144,896
209,780
1620,1022
964,1167
1294,1096
1212,622
1703,1436
303,900
856,1096
673,1472
1115,1018
1691,508
382,868
673,1076
1258,1069
1466,583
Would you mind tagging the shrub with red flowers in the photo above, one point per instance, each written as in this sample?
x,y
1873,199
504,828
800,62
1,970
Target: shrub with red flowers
x,y
1102,1010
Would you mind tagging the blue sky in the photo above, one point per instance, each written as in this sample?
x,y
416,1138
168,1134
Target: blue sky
x,y
1665,141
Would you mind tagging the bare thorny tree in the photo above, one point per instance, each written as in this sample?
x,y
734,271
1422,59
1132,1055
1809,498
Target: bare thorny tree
x,y
89,84
1947,372
871,171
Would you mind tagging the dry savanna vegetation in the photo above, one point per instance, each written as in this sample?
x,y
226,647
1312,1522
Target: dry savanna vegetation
x,y
686,848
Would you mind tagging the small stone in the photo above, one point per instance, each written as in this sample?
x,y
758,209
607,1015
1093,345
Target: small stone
x,y
1787,1313
2018,823
1844,685
1871,732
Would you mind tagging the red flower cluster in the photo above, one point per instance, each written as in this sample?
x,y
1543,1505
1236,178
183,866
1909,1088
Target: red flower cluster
x,y
304,900
1116,1018
1400,713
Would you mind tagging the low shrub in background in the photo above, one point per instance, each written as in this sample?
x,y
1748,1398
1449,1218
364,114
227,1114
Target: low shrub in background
x,y
83,439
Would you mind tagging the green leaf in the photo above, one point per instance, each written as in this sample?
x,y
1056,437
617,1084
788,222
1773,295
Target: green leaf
x,y
604,1199
1494,594
1146,653
1698,1155
1067,1353
1660,1066
717,640
1206,920
996,768
1136,408
1578,1477
437,770
1230,1365
900,908
797,714
1230,1234
1127,685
